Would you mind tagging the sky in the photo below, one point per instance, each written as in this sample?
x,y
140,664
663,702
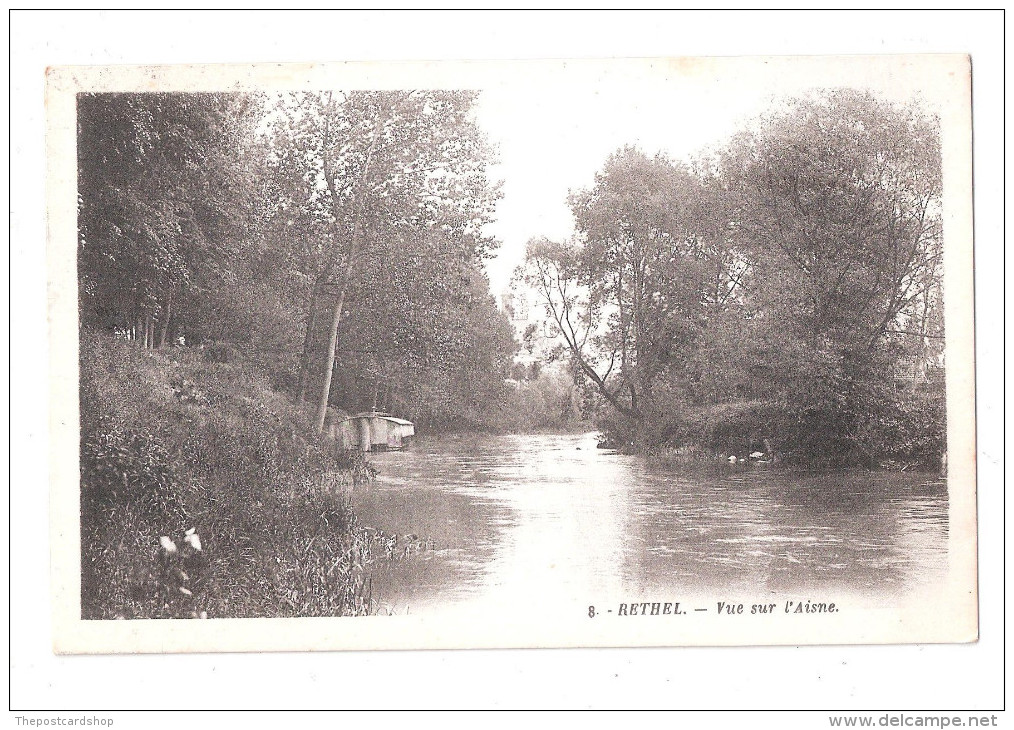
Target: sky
x,y
553,141
554,131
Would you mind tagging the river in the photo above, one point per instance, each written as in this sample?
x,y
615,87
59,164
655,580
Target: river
x,y
517,519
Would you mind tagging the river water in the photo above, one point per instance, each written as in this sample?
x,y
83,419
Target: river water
x,y
515,519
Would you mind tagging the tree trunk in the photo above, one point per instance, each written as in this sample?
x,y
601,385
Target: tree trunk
x,y
923,329
325,391
304,360
165,321
350,259
346,275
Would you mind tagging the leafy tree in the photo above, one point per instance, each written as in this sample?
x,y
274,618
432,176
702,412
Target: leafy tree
x,y
163,187
837,204
767,294
420,312
373,164
631,295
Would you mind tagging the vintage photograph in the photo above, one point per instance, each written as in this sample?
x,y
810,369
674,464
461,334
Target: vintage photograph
x,y
584,353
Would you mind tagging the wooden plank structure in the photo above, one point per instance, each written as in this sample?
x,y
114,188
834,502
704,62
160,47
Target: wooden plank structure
x,y
372,431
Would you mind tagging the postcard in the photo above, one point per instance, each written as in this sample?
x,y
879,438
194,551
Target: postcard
x,y
437,355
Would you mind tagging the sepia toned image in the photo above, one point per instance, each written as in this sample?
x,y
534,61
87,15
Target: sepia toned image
x,y
651,352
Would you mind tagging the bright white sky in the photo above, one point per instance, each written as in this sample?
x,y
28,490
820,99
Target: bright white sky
x,y
551,142
553,137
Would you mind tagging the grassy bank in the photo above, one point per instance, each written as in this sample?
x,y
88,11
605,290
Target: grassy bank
x,y
197,440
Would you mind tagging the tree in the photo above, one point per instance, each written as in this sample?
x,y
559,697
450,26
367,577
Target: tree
x,y
770,291
422,332
163,186
630,296
372,163
837,204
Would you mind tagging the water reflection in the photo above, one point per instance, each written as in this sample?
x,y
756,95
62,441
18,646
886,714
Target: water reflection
x,y
548,518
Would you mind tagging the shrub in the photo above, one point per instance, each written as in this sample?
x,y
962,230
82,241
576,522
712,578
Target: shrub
x,y
740,426
120,467
913,431
220,352
268,497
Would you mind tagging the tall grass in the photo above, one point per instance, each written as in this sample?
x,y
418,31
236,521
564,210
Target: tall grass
x,y
173,441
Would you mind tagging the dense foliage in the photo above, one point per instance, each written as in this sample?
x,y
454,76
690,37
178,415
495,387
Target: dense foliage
x,y
338,238
176,440
370,181
241,254
235,253
164,185
783,296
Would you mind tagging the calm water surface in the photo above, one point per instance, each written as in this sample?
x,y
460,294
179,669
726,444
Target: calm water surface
x,y
544,517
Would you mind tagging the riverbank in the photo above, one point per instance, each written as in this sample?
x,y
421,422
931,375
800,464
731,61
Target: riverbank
x,y
690,457
204,493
